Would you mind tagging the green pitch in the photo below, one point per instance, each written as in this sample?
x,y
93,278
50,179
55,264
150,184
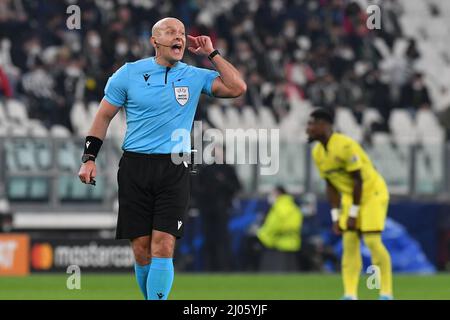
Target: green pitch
x,y
219,287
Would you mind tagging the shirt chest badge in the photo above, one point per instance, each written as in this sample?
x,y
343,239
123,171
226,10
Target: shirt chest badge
x,y
181,94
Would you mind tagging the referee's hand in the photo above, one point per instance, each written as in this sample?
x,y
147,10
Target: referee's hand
x,y
201,45
87,172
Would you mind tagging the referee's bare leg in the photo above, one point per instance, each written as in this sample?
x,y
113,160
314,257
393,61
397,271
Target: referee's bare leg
x,y
142,256
154,264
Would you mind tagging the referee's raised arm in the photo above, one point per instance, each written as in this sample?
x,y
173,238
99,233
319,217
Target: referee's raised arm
x,y
230,83
94,140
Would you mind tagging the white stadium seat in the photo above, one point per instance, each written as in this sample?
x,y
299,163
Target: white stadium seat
x,y
249,119
346,123
266,118
370,115
59,131
233,118
17,111
78,117
428,128
216,116
402,127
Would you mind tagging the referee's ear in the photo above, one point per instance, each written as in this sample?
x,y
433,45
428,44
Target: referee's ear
x,y
153,42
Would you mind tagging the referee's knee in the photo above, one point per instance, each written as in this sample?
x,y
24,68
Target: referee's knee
x,y
141,250
163,244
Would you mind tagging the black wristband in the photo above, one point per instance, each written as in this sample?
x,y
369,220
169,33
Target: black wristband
x,y
213,54
92,145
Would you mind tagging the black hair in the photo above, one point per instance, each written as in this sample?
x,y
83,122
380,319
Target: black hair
x,y
280,189
323,114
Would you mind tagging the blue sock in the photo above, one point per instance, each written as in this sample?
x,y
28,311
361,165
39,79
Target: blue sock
x,y
160,278
141,277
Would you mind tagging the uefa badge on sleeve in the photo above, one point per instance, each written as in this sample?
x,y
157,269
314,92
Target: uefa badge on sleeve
x,y
182,95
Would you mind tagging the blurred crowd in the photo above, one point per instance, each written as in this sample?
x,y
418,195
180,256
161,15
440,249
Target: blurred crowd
x,y
320,50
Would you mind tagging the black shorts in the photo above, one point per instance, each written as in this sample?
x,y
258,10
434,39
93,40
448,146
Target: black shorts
x,y
153,195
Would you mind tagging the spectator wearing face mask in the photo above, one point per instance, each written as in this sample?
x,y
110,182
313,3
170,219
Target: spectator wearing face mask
x,y
415,95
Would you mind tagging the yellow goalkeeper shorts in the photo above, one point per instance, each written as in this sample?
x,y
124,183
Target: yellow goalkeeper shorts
x,y
372,211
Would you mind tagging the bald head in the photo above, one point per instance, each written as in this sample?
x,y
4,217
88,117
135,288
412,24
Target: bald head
x,y
169,40
162,24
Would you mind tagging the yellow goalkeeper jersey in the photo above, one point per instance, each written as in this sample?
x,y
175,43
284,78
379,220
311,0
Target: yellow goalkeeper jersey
x,y
339,158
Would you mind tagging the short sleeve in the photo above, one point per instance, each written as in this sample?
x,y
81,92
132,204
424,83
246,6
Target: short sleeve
x,y
116,87
209,77
352,159
315,156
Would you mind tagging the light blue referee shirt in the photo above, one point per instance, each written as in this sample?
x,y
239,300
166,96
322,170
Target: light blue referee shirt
x,y
158,100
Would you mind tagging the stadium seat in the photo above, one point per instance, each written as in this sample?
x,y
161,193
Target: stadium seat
x,y
370,116
249,118
64,187
429,130
98,191
43,154
392,162
3,112
11,160
216,116
91,111
289,128
37,129
79,191
430,169
39,189
346,123
291,174
266,118
67,159
59,131
233,118
26,155
17,188
17,111
78,117
402,127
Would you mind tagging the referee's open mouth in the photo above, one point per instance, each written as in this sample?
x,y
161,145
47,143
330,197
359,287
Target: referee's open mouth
x,y
177,48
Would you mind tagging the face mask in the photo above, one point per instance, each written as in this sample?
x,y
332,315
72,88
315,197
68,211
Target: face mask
x,y
72,71
245,55
248,25
94,41
275,55
121,48
289,32
36,49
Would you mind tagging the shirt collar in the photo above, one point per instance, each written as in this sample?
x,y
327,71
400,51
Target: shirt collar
x,y
178,65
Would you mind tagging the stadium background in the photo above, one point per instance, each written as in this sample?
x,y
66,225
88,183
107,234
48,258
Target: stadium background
x,y
389,89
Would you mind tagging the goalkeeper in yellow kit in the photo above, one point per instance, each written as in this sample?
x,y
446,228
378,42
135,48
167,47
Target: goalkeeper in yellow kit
x,y
359,199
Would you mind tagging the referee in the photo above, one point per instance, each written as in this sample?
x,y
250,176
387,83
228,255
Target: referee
x,y
160,95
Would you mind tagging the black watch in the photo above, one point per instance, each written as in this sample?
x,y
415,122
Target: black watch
x,y
86,157
213,54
